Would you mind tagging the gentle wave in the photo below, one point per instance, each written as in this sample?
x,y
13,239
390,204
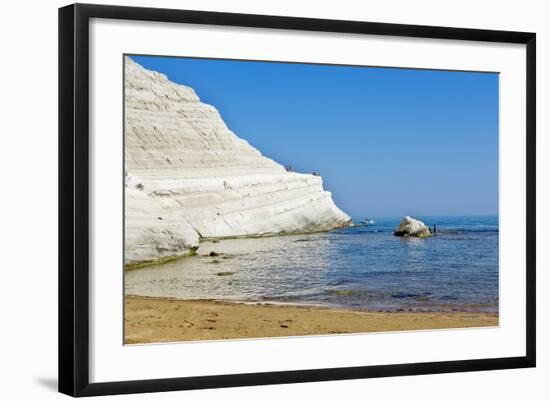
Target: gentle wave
x,y
356,267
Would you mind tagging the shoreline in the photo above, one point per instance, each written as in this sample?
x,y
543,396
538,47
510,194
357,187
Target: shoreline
x,y
155,320
470,308
215,240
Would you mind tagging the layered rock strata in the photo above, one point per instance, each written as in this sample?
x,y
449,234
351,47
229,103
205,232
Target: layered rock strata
x,y
188,177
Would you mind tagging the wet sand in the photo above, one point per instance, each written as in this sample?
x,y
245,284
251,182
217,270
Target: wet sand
x,y
152,320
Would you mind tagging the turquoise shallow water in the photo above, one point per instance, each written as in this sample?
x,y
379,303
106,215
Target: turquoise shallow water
x,y
357,267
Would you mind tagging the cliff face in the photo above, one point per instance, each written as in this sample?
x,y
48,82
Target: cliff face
x,y
189,177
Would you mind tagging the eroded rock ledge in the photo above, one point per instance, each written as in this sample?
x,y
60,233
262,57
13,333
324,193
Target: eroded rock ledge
x,y
188,177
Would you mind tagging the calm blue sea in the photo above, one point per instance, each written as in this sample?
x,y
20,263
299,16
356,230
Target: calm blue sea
x,y
364,268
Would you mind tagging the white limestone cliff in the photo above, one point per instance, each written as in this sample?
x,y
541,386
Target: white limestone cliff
x,y
188,177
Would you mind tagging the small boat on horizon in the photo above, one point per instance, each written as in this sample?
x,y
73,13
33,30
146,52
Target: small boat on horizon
x,y
367,221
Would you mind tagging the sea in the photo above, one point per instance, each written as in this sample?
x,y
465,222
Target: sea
x,y
364,267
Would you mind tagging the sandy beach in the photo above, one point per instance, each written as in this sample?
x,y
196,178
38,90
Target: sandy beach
x,y
151,320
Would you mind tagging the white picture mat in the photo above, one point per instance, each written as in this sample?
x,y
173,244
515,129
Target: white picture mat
x,y
111,361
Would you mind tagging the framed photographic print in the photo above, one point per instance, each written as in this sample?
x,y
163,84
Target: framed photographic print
x,y
250,199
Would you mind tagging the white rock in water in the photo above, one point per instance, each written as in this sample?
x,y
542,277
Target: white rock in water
x,y
189,177
409,227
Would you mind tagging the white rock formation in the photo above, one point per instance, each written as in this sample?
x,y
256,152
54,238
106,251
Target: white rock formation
x,y
409,227
189,177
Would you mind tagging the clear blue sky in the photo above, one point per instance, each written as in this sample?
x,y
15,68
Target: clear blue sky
x,y
387,142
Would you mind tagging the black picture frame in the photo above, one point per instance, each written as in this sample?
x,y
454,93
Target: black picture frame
x,y
74,198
